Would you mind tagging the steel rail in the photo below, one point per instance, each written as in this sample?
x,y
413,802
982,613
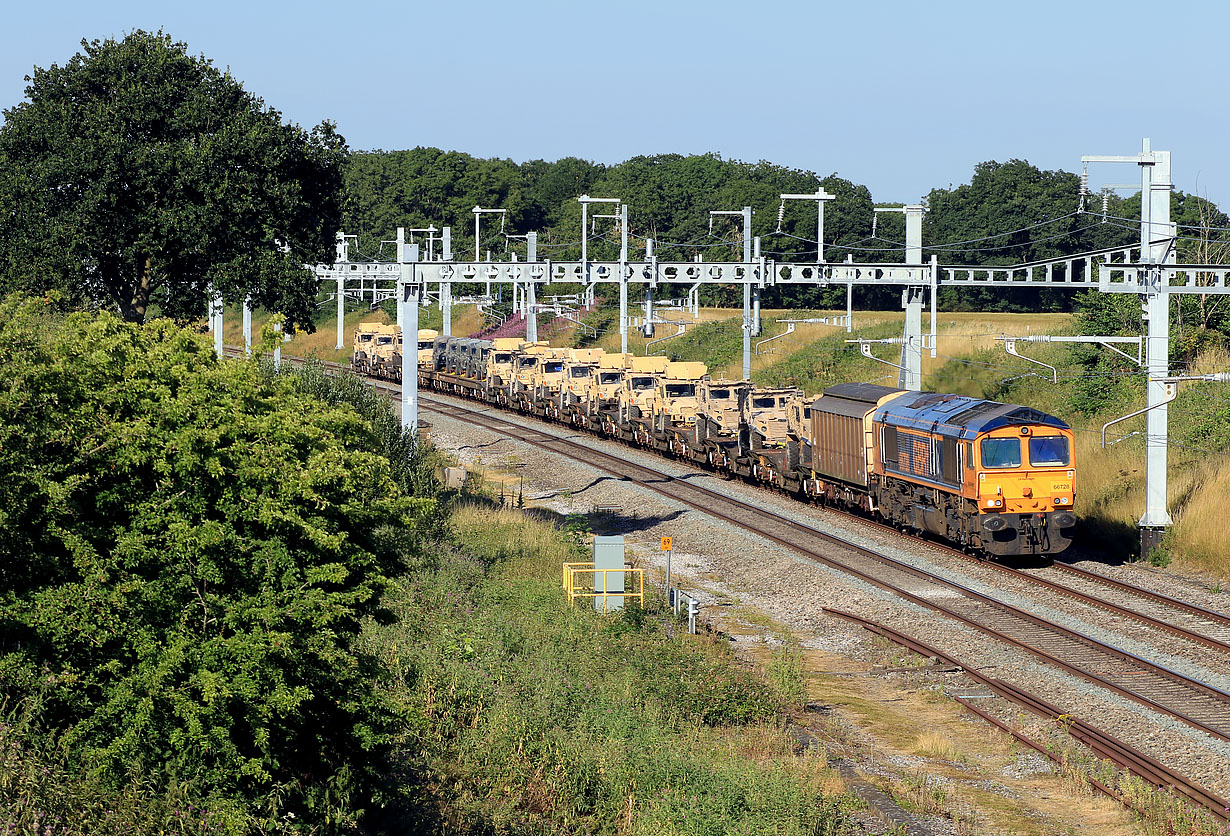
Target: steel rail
x,y
1177,603
654,478
1215,706
1097,740
1094,577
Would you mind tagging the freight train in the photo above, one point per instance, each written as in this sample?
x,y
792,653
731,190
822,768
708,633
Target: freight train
x,y
991,477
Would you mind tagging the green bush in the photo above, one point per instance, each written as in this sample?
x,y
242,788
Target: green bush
x,y
188,549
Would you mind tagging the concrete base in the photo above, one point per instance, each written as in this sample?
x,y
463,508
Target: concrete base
x,y
1150,539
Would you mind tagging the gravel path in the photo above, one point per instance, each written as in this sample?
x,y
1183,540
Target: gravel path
x,y
727,567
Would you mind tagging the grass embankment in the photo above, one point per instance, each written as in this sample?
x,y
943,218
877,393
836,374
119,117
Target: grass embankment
x,y
529,716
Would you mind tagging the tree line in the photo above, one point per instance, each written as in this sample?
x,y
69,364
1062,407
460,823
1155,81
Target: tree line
x,y
1008,213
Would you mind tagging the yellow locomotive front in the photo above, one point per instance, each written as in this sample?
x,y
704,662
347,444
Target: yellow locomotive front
x,y
999,477
1026,470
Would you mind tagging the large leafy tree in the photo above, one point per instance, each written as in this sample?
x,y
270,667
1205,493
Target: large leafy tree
x,y
137,175
188,549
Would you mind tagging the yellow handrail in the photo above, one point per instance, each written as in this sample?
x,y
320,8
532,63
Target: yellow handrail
x,y
576,587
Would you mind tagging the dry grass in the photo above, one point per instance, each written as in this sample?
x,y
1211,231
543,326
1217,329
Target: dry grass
x,y
1201,537
935,745
529,546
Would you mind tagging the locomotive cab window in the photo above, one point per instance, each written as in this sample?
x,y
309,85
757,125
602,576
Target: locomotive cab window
x,y
1048,451
640,384
609,377
1001,452
681,390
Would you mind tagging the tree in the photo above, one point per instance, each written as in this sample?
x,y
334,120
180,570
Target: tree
x,y
136,174
188,549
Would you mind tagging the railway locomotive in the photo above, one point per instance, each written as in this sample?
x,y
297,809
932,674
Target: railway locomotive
x,y
991,477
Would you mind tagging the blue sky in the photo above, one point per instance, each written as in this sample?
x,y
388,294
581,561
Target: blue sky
x,y
901,96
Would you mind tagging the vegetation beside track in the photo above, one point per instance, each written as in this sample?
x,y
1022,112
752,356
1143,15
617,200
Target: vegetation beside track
x,y
232,604
530,716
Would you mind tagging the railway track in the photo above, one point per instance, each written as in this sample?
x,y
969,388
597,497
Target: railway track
x,y
1199,625
1167,692
1128,675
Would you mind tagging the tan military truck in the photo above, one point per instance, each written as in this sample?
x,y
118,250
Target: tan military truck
x,y
637,390
579,366
427,342
765,415
719,419
675,405
601,404
548,380
501,361
525,369
767,451
377,350
678,397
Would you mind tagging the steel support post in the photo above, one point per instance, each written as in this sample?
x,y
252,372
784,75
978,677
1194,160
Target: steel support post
x,y
912,301
623,312
649,256
849,307
408,322
935,278
341,312
247,326
446,308
584,199
342,255
911,349
747,331
747,257
1155,233
529,298
623,278
446,289
648,329
215,302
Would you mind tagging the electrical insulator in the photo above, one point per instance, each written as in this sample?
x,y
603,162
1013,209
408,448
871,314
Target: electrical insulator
x,y
1084,188
1105,205
781,214
874,218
